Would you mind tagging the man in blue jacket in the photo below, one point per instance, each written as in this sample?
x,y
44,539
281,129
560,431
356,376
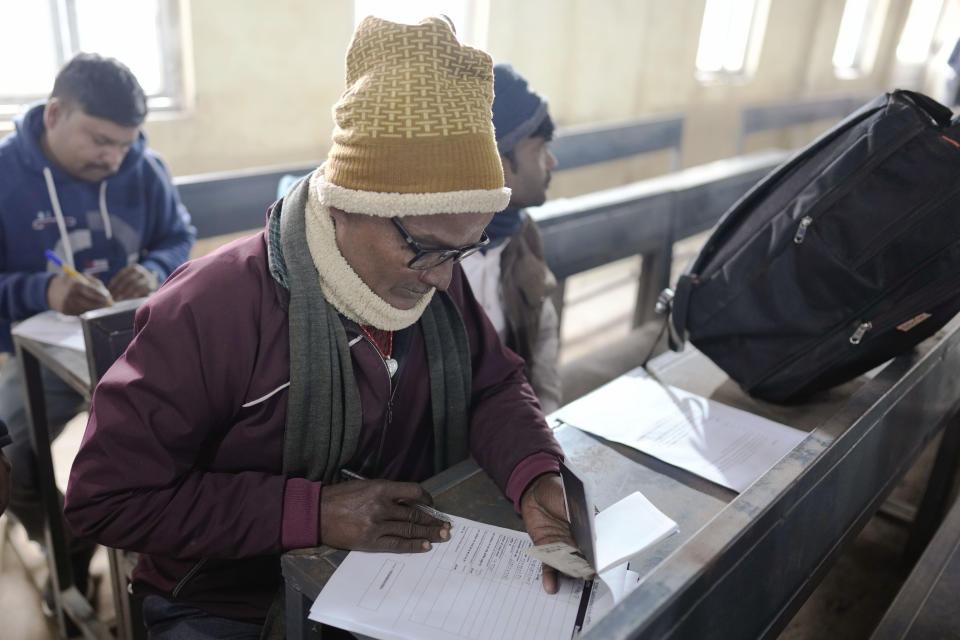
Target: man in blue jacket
x,y
76,177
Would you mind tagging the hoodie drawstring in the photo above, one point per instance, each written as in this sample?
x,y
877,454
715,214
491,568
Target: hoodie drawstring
x,y
61,224
104,214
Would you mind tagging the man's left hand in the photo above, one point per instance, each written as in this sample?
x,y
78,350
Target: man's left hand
x,y
545,517
133,281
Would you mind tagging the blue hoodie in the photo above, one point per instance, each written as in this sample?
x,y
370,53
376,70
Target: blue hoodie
x,y
133,216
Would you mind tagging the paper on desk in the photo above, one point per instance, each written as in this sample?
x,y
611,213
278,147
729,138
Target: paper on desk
x,y
624,529
722,444
627,527
479,585
53,328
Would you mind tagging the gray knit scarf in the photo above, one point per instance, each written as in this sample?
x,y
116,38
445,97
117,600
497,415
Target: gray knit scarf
x,y
323,404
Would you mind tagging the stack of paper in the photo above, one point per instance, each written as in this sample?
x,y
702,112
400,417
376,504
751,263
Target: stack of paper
x,y
53,328
604,539
477,585
722,444
483,583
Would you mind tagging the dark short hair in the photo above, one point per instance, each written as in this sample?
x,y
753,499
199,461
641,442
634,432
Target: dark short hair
x,y
103,87
544,130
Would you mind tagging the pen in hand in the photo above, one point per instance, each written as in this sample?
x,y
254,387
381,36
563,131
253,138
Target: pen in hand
x,y
73,273
419,506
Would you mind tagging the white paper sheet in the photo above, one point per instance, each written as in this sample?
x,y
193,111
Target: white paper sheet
x,y
623,529
722,444
53,328
627,527
478,585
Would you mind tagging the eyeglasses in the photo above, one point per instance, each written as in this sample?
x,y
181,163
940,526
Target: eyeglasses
x,y
425,258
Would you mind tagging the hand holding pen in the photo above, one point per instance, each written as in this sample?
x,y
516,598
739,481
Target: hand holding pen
x,y
419,506
379,515
73,293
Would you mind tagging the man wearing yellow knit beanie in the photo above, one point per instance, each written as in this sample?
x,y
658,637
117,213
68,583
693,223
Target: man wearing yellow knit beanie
x,y
342,340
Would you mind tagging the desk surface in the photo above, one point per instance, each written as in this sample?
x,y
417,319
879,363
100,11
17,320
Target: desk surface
x,y
70,365
741,565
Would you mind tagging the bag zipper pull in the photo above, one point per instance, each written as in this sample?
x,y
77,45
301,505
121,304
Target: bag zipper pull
x,y
802,229
862,328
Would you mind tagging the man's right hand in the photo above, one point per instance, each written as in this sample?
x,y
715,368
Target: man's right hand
x,y
374,515
74,296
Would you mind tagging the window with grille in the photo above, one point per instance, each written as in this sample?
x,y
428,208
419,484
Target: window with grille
x,y
469,17
860,29
730,37
40,36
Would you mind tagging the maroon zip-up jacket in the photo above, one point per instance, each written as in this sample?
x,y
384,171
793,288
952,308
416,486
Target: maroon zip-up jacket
x,y
182,455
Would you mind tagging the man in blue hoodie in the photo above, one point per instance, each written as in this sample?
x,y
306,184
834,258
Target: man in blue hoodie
x,y
76,177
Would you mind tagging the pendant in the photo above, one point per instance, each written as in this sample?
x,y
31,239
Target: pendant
x,y
392,366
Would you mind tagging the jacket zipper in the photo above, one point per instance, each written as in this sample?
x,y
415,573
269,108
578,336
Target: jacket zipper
x,y
194,570
912,218
388,418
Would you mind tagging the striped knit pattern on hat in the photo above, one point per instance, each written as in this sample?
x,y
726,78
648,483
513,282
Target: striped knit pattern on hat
x,y
414,132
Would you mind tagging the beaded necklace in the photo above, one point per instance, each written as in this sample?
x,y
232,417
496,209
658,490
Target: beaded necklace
x,y
383,341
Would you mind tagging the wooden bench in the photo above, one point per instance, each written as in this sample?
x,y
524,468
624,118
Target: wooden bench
x,y
645,218
782,115
232,201
585,145
580,233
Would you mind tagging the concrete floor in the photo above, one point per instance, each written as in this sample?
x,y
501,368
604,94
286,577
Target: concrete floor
x,y
23,568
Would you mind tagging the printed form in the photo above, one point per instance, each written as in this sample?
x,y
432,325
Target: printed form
x,y
478,585
722,444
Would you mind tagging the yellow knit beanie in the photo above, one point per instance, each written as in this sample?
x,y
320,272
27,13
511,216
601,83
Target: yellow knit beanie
x,y
414,132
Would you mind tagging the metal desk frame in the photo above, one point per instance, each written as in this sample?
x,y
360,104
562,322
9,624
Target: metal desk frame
x,y
758,555
77,370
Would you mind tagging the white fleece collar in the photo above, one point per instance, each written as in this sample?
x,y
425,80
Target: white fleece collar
x,y
341,285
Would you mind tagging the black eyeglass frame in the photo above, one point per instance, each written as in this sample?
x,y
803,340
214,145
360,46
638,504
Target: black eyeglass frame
x,y
443,255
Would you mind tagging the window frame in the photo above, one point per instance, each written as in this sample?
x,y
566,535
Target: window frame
x,y
751,49
66,39
868,41
473,33
927,38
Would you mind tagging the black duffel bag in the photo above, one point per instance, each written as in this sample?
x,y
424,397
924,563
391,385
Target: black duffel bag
x,y
842,257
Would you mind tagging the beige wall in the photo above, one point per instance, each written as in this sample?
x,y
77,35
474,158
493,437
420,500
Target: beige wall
x,y
266,75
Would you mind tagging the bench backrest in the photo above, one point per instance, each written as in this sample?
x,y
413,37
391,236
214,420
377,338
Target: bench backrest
x,y
780,115
581,146
231,201
645,218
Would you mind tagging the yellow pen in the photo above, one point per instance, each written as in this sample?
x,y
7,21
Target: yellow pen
x,y
70,271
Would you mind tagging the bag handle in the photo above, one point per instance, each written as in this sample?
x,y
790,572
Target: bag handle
x,y
940,114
